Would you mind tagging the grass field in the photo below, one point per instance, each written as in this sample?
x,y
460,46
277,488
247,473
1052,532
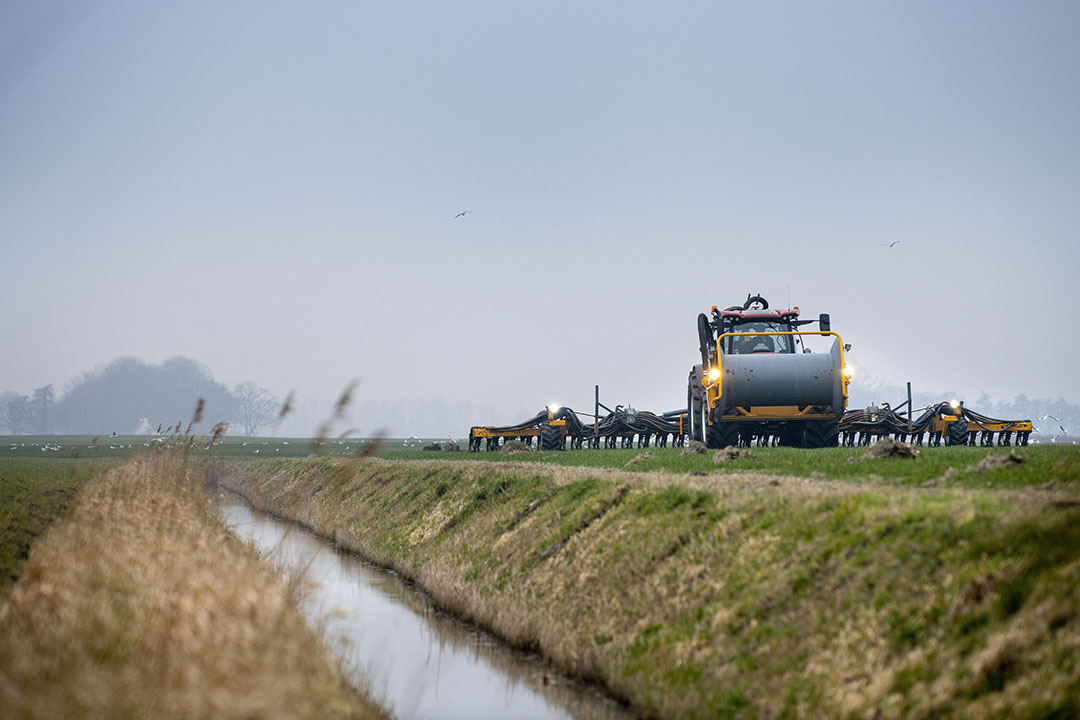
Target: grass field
x,y
789,584
1045,463
34,492
107,446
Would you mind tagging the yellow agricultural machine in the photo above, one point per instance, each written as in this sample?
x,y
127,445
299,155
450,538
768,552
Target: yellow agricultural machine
x,y
758,379
759,382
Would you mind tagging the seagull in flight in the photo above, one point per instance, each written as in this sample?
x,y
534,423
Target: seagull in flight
x,y
894,242
463,212
1044,417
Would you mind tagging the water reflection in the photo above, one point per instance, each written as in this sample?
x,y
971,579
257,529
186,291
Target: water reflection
x,y
417,662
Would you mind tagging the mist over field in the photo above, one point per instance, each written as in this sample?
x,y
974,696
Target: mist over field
x,y
479,208
130,396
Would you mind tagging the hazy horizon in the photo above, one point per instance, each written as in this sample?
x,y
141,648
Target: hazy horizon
x,y
273,191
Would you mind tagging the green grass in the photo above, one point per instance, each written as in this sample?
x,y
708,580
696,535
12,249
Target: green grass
x,y
123,446
1043,463
33,493
708,590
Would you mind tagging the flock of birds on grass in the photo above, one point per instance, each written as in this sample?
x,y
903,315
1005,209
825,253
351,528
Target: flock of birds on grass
x,y
55,447
414,441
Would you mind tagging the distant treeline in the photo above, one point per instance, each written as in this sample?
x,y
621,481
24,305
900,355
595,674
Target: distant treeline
x,y
117,396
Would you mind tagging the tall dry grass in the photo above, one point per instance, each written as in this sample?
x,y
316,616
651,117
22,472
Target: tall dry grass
x,y
142,604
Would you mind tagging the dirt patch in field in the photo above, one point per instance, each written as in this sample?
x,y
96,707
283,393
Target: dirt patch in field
x,y
730,453
993,462
513,447
889,447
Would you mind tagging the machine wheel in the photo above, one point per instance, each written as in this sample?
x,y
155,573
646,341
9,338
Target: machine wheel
x,y
821,433
720,434
791,435
958,432
549,438
697,420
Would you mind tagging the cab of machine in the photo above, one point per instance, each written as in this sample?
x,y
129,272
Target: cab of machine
x,y
755,323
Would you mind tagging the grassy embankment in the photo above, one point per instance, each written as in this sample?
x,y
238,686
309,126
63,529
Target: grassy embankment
x,y
890,587
139,603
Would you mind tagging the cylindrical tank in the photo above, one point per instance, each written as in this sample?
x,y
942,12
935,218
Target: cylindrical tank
x,y
783,379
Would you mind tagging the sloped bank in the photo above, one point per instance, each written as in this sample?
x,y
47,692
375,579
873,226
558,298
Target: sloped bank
x,y
726,596
139,603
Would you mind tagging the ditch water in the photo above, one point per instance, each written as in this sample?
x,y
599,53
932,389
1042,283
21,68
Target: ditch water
x,y
415,661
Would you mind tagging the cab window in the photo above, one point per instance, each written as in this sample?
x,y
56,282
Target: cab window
x,y
750,344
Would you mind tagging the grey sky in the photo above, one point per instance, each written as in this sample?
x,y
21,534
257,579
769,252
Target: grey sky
x,y
271,189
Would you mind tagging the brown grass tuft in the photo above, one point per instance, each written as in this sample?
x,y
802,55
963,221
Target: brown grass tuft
x,y
287,406
342,404
345,400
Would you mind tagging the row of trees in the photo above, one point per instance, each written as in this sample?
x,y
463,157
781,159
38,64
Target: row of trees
x,y
115,397
28,413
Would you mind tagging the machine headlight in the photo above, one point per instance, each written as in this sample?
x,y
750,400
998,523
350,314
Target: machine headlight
x,y
849,371
554,408
714,374
954,404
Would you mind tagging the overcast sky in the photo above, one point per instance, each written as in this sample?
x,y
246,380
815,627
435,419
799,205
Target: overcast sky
x,y
270,188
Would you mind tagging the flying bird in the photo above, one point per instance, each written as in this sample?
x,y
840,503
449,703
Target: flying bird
x,y
1044,417
894,242
463,212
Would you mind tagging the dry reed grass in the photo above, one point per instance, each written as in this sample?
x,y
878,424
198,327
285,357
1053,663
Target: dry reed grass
x,y
142,604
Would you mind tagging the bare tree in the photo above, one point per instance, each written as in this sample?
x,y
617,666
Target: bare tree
x,y
42,403
256,406
15,412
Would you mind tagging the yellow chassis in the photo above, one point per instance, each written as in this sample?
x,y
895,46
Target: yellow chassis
x,y
714,389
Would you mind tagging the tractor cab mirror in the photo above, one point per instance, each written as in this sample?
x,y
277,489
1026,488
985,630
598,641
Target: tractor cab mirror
x,y
823,321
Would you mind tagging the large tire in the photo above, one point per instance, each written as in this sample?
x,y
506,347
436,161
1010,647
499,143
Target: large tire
x,y
694,411
791,435
704,339
720,434
958,432
821,433
549,438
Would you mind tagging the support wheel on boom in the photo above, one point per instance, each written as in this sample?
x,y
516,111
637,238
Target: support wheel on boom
x,y
720,434
958,432
821,433
549,438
